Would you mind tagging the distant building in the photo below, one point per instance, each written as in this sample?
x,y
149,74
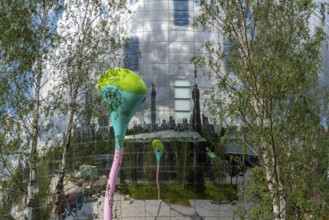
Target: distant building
x,y
162,42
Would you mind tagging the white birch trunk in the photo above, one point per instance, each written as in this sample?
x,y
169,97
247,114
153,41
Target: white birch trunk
x,y
30,189
272,172
59,188
271,184
282,197
28,215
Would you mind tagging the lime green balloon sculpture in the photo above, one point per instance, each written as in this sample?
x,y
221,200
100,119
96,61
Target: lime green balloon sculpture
x,y
158,151
123,92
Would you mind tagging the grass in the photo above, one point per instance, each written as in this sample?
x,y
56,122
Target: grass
x,y
175,194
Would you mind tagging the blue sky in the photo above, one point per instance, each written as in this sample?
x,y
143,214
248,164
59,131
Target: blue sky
x,y
324,1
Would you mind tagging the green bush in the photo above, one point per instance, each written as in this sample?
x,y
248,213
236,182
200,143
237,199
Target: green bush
x,y
196,180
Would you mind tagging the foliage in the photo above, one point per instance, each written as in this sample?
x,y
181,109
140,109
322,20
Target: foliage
x,y
267,67
90,36
149,163
49,65
217,170
129,163
28,33
42,205
182,158
173,193
196,180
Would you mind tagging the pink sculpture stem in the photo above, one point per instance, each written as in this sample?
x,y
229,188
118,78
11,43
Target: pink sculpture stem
x,y
111,184
157,180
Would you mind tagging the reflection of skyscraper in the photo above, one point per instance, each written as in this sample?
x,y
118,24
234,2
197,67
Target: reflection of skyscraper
x,y
160,46
196,118
153,107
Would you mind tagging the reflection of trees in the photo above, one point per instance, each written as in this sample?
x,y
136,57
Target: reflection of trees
x,y
130,162
217,169
236,166
149,163
182,159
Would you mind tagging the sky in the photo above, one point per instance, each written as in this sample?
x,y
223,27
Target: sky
x,y
323,1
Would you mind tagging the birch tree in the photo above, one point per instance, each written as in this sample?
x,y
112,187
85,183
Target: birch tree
x,y
27,34
91,36
267,67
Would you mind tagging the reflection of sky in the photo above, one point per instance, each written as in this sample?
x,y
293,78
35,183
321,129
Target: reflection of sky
x,y
166,49
323,1
162,69
70,27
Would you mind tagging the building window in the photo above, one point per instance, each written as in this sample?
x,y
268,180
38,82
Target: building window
x,y
182,93
181,12
131,54
133,1
226,47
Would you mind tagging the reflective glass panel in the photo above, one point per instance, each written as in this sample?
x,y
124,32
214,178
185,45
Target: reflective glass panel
x,y
183,93
182,105
131,52
181,13
180,116
183,83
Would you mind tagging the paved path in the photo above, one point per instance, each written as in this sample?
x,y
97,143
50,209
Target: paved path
x,y
159,210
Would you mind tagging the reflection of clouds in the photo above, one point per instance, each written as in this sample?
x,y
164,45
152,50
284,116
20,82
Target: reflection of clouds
x,y
155,36
151,5
165,97
162,98
137,119
155,58
324,79
315,20
166,50
179,47
156,69
155,47
72,28
162,113
159,81
155,26
324,75
144,117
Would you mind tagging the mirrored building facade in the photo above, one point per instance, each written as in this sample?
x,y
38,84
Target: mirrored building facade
x,y
162,40
315,20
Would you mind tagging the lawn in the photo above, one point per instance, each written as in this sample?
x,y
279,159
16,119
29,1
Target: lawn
x,y
175,194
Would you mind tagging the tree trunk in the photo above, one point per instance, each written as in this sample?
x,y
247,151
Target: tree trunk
x,y
33,154
274,184
35,123
272,169
59,188
31,188
271,184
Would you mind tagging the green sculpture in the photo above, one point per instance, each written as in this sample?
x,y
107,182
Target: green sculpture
x,y
158,151
123,92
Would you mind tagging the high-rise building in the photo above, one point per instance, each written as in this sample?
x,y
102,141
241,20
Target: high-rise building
x,y
162,40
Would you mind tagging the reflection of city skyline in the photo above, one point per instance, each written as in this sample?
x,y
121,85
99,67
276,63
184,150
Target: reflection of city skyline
x,y
157,122
165,104
161,44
